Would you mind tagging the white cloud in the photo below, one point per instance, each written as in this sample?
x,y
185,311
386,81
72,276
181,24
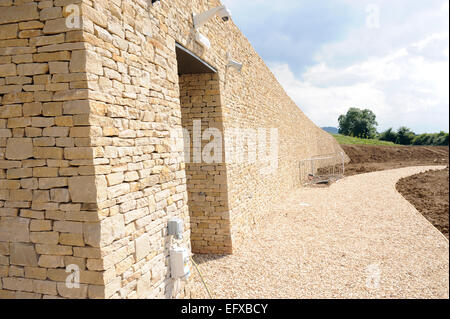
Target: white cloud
x,y
402,88
400,71
329,59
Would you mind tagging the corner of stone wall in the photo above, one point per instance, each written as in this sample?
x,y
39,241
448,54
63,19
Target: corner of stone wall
x,y
140,179
49,216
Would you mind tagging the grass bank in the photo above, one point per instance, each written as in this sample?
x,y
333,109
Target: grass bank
x,y
348,140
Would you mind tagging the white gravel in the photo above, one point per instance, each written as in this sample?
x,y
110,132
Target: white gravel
x,y
359,238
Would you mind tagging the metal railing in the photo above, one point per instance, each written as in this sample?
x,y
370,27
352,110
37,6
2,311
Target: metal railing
x,y
322,169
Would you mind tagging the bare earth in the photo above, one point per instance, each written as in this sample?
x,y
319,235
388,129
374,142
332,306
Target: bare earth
x,y
359,238
428,192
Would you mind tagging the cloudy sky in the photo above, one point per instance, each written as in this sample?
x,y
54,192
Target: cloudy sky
x,y
389,56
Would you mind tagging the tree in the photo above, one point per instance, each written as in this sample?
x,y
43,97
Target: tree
x,y
441,139
389,135
423,139
358,123
404,136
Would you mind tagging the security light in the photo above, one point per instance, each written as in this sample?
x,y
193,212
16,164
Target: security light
x,y
202,40
201,18
233,63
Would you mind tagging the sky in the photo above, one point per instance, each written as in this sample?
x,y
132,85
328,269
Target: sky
x,y
390,56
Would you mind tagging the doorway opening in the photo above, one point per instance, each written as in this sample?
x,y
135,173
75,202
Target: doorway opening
x,y
202,122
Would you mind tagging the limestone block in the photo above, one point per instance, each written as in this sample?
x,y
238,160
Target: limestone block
x,y
96,292
16,173
64,121
78,153
20,284
40,225
69,95
32,69
45,287
47,40
21,195
76,107
4,260
5,133
19,122
23,255
44,237
42,121
68,227
96,16
32,109
44,249
8,111
70,260
50,13
49,261
86,61
8,70
115,178
45,172
41,196
19,148
83,189
8,31
104,233
52,182
48,152
144,285
71,239
56,26
118,190
35,273
86,252
124,265
14,229
4,248
72,293
143,247
59,195
58,67
25,12
52,56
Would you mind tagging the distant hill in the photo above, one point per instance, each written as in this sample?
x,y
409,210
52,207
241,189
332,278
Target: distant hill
x,y
331,130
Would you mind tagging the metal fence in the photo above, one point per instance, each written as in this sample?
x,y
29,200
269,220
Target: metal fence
x,y
322,169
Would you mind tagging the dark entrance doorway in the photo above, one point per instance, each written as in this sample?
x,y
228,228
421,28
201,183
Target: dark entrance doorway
x,y
201,110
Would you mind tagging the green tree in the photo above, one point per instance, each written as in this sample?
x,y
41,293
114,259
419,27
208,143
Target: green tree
x,y
358,123
389,135
423,139
441,139
405,136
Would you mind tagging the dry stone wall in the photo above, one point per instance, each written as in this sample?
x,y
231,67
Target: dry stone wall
x,y
48,185
206,182
254,99
90,172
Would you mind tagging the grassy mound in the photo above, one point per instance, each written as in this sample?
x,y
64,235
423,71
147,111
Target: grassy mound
x,y
348,140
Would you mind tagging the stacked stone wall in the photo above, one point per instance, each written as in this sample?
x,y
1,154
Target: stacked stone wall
x,y
207,180
90,171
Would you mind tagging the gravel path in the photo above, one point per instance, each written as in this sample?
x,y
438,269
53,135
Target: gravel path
x,y
358,238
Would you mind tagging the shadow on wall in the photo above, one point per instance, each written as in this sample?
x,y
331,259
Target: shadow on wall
x,y
206,182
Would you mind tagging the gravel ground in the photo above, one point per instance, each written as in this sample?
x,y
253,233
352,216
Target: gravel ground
x,y
358,238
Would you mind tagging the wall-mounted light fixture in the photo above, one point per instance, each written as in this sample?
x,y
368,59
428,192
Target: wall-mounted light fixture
x,y
234,64
202,40
201,18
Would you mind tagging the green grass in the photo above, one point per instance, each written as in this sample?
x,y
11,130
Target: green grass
x,y
342,139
